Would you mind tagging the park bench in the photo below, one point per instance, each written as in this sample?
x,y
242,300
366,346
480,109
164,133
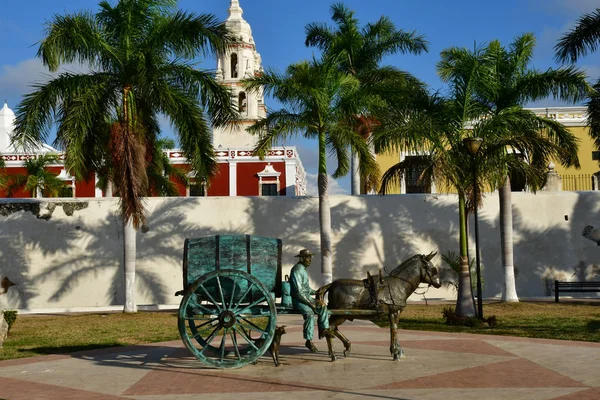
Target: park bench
x,y
577,287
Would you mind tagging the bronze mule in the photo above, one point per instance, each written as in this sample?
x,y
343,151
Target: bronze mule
x,y
386,296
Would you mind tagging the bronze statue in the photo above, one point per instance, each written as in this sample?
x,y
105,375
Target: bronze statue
x,y
275,344
303,303
386,296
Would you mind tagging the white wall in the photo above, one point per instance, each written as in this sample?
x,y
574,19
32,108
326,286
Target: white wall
x,y
70,262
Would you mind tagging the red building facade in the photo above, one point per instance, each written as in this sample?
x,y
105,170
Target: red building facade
x,y
240,173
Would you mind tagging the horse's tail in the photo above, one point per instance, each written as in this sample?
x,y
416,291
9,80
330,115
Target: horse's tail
x,y
320,295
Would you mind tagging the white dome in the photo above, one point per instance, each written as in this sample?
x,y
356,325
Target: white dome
x,y
6,112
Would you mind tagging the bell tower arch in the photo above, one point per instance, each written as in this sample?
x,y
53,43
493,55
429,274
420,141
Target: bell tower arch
x,y
239,62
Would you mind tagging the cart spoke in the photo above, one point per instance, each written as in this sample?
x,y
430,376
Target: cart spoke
x,y
210,338
204,324
230,305
211,298
250,342
257,302
221,292
237,306
223,344
235,345
256,327
205,310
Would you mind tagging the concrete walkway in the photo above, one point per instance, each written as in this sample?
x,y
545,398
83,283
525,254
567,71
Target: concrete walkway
x,y
437,366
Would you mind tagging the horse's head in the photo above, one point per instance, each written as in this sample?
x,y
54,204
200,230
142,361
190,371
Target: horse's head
x,y
429,273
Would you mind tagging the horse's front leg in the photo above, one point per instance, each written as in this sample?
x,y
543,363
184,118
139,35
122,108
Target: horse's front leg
x,y
395,348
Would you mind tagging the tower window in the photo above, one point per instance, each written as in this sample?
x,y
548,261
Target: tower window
x,y
242,103
234,65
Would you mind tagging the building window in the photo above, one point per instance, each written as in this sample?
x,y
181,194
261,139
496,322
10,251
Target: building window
x,y
242,103
269,189
66,191
268,181
196,189
412,177
595,155
234,65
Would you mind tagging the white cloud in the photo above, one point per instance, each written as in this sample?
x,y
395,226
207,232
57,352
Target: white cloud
x,y
18,79
334,187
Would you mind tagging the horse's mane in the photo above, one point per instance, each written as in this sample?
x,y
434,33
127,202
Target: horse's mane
x,y
404,265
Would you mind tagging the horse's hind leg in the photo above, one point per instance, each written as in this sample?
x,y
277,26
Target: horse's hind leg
x,y
395,348
345,341
334,321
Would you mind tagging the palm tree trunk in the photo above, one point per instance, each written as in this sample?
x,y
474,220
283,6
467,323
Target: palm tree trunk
x,y
324,214
109,188
355,175
509,292
129,261
464,302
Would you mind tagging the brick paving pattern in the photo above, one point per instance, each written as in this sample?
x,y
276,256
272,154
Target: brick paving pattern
x,y
437,366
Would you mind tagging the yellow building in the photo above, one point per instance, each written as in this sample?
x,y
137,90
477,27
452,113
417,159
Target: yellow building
x,y
584,178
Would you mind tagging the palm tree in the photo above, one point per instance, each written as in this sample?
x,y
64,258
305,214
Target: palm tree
x,y
320,101
578,42
440,125
360,52
516,84
37,180
162,175
137,52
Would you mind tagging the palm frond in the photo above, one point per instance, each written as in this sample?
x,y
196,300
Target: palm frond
x,y
75,38
581,40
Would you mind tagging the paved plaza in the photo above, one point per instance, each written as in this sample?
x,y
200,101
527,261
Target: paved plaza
x,y
437,366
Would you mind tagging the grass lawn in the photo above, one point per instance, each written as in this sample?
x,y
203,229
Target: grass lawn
x,y
39,335
566,321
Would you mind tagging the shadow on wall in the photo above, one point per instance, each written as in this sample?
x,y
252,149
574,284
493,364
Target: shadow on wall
x,y
100,242
375,228
542,255
369,233
85,249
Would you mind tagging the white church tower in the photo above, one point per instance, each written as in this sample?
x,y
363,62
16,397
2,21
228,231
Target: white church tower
x,y
240,61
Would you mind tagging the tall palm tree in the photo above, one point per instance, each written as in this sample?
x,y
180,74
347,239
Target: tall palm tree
x,y
138,53
360,52
440,125
162,174
516,84
319,102
578,42
37,180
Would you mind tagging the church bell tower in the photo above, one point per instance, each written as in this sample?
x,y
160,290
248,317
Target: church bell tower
x,y
239,62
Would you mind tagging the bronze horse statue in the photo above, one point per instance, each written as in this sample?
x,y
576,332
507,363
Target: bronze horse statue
x,y
384,296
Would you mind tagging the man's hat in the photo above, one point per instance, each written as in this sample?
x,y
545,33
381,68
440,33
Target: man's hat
x,y
304,253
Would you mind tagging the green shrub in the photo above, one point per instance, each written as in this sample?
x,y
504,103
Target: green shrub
x,y
10,317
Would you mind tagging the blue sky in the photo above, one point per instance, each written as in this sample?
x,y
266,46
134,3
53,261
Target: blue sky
x,y
278,28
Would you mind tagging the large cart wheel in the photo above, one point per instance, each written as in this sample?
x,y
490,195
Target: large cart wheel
x,y
222,315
